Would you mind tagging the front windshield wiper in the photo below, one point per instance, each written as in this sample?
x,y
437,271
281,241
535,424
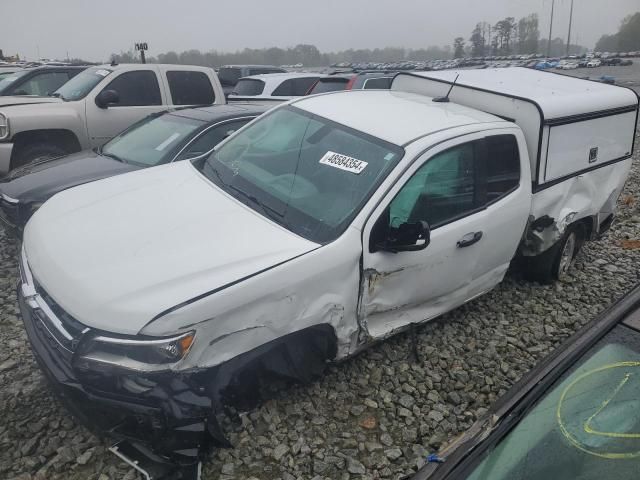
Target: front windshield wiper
x,y
58,95
270,212
111,155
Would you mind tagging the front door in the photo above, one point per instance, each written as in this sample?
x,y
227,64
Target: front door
x,y
139,95
448,189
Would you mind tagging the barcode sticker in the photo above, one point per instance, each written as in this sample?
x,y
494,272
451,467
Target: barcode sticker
x,y
343,162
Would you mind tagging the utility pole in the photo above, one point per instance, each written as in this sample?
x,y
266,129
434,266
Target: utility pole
x,y
553,2
569,34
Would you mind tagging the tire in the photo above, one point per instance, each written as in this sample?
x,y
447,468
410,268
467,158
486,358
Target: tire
x,y
554,263
38,151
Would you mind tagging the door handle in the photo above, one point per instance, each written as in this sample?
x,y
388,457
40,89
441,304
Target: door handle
x,y
469,239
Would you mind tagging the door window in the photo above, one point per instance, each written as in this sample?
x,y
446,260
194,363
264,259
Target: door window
x,y
43,84
442,190
138,88
294,87
382,82
248,87
190,88
503,166
209,139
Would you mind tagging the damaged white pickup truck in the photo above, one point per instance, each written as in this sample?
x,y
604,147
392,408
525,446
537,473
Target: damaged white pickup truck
x,y
330,222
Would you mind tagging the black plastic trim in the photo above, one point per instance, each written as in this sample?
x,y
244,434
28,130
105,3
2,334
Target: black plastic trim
x,y
583,117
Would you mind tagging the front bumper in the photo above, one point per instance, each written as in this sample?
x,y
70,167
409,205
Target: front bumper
x,y
167,414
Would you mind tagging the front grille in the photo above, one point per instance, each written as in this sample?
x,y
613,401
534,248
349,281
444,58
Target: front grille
x,y
70,324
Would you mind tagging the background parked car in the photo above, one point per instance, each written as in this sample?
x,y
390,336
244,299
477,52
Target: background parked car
x,y
331,83
95,106
180,134
372,80
230,74
8,70
277,87
40,81
352,81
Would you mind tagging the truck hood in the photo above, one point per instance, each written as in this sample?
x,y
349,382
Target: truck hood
x,y
117,252
14,101
37,182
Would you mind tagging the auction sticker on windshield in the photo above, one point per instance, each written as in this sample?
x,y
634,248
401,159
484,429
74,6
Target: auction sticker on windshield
x,y
343,162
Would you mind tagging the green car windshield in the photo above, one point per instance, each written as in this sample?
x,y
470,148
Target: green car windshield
x,y
587,427
307,173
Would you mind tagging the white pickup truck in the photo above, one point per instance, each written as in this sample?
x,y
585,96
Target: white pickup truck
x,y
326,224
95,106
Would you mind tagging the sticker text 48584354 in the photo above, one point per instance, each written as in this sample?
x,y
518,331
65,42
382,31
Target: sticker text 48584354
x,y
343,162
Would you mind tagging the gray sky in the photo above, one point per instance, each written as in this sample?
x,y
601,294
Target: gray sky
x,y
93,29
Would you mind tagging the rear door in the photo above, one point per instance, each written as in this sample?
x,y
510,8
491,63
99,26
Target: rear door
x,y
190,88
139,95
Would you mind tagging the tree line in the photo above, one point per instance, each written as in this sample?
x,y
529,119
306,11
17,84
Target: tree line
x,y
627,39
307,55
509,37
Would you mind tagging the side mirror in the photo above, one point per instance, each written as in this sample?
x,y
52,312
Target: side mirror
x,y
228,133
407,237
106,98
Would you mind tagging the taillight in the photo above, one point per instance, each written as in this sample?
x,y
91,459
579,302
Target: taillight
x,y
350,83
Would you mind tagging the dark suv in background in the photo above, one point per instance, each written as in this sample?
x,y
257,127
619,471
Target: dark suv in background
x,y
230,74
40,81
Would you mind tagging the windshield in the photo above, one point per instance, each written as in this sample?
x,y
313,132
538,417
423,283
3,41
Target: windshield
x,y
80,85
248,87
305,172
7,79
329,85
587,427
229,76
153,141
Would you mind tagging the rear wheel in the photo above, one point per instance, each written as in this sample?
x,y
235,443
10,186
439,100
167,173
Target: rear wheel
x,y
555,263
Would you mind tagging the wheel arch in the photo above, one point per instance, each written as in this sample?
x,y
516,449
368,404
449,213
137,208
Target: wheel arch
x,y
62,138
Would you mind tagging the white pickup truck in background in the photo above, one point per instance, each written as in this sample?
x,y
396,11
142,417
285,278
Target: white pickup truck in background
x,y
327,224
95,106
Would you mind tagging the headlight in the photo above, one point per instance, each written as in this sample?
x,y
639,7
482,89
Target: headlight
x,y
4,127
148,355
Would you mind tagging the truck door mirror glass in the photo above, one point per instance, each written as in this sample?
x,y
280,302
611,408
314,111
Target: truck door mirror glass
x,y
407,237
106,98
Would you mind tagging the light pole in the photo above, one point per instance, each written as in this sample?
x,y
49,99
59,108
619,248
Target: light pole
x,y
569,34
553,2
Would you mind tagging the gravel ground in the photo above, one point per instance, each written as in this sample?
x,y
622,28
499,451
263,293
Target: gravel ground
x,y
374,416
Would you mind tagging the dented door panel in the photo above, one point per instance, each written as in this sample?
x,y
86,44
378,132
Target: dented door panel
x,y
409,287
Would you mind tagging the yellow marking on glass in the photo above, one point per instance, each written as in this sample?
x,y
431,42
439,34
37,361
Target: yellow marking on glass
x,y
573,441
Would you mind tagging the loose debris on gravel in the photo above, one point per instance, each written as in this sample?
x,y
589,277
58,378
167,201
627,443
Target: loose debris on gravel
x,y
374,416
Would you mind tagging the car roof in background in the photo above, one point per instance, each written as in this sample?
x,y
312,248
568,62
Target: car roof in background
x,y
213,113
396,117
283,75
251,66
